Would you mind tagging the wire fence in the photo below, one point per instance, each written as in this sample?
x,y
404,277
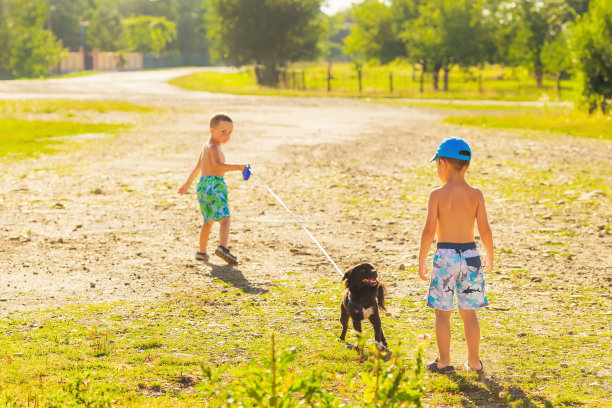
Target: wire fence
x,y
402,81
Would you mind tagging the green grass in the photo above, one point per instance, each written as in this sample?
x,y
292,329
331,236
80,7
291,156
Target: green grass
x,y
22,138
498,83
556,121
8,107
145,354
69,75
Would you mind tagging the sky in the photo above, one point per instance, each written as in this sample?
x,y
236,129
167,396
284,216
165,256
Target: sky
x,y
334,6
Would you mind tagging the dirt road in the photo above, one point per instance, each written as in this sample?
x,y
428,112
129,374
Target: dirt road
x,y
107,225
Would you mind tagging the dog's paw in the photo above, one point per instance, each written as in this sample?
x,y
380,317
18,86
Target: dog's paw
x,y
381,346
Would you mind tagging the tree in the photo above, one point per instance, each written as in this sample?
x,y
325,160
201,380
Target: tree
x,y
375,35
104,26
423,39
336,29
446,33
28,48
267,33
592,49
65,19
465,36
556,59
529,25
148,35
191,38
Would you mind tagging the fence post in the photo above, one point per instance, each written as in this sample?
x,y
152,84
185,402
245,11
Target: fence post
x,y
294,83
480,88
304,79
329,77
390,82
359,77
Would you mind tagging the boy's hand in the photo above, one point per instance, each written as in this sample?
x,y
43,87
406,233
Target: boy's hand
x,y
488,262
423,271
182,189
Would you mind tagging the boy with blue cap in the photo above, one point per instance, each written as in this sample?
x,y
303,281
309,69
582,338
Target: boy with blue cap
x,y
452,212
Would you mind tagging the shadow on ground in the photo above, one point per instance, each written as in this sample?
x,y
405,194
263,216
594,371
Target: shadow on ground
x,y
234,276
487,391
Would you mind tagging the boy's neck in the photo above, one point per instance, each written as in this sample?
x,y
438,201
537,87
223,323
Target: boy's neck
x,y
212,141
455,177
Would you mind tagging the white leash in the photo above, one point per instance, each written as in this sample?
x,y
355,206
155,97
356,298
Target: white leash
x,y
298,221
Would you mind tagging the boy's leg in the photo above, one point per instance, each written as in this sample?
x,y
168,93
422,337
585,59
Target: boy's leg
x,y
224,231
443,336
204,234
472,336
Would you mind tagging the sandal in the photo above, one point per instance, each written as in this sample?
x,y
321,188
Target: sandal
x,y
433,367
473,370
226,255
201,256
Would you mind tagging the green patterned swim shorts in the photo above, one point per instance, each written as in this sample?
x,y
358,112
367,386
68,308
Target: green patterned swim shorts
x,y
212,196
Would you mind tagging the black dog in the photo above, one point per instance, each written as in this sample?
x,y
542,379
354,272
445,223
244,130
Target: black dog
x,y
363,296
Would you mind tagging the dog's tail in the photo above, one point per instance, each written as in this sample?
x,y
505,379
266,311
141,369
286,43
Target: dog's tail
x,y
382,291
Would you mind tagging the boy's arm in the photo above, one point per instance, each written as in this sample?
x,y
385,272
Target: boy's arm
x,y
485,231
194,173
429,232
218,166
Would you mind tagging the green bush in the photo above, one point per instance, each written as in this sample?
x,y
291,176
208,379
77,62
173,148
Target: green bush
x,y
274,383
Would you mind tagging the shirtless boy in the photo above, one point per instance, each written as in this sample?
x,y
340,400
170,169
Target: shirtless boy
x,y
452,212
211,189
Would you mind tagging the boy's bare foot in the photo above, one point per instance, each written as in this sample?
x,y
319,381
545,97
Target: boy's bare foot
x,y
226,255
434,367
201,256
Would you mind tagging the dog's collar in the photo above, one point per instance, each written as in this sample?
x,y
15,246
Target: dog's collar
x,y
359,308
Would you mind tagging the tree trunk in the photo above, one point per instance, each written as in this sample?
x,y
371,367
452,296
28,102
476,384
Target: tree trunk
x,y
446,71
423,69
436,76
267,75
538,77
559,85
538,71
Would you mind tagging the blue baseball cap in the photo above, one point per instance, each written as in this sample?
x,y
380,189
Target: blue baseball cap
x,y
454,148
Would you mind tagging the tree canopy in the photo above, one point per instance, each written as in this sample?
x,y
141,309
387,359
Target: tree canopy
x,y
28,48
267,33
593,51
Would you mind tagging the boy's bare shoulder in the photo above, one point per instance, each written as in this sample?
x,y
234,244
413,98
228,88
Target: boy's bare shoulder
x,y
436,192
476,191
209,148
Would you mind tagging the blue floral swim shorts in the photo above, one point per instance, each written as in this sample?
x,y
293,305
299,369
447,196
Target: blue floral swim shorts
x,y
212,196
457,269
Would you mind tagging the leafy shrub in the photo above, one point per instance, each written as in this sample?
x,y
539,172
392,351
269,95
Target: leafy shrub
x,y
82,393
272,383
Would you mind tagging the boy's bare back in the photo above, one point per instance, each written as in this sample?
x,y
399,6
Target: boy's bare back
x,y
459,206
211,155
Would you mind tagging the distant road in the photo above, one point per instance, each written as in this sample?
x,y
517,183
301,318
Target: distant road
x,y
138,84
110,85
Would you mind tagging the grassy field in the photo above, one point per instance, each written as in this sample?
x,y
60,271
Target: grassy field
x,y
311,80
549,348
11,107
26,132
566,121
21,138
156,354
558,120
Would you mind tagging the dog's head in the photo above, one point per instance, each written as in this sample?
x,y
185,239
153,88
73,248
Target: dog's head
x,y
363,275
